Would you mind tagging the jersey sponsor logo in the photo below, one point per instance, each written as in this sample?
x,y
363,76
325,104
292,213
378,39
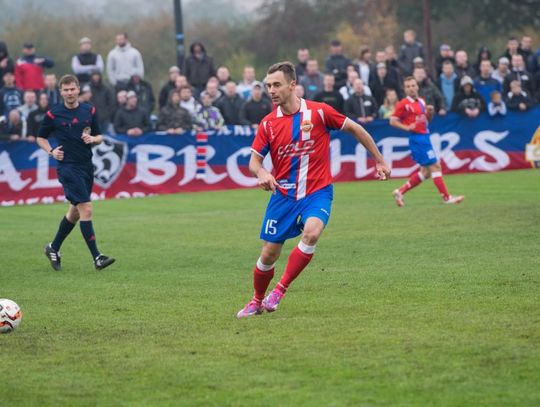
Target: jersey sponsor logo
x,y
297,149
109,159
285,184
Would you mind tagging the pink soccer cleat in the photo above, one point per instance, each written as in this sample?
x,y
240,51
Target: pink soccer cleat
x,y
398,196
271,302
454,199
252,308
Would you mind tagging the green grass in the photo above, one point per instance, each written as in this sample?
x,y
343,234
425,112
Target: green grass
x,y
426,305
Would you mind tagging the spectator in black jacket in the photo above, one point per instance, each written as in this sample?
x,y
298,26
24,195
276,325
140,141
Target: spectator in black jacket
x,y
103,99
6,63
462,67
131,119
445,54
330,95
468,101
484,54
230,104
381,82
199,67
36,117
303,56
525,49
409,50
519,73
360,107
337,63
253,111
145,94
391,71
174,71
512,48
517,98
86,62
173,118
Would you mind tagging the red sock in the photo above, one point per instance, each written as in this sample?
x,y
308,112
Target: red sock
x,y
413,181
261,281
298,260
439,183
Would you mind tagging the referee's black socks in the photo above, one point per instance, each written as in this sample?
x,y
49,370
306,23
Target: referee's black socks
x,y
87,231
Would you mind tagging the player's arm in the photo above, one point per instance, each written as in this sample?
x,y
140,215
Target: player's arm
x,y
266,180
94,129
45,130
363,137
395,122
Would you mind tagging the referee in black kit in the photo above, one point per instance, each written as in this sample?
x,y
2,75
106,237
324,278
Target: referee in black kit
x,y
75,127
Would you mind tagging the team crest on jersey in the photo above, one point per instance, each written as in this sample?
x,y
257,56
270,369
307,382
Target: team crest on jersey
x,y
108,158
306,126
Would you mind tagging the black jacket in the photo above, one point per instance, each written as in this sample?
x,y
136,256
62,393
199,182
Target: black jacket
x,y
524,77
129,119
471,101
34,121
337,65
145,94
230,108
332,98
378,88
164,93
252,112
174,116
513,101
198,71
104,101
10,67
361,106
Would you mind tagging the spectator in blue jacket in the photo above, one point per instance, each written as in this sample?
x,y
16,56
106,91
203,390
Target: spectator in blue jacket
x,y
448,82
484,83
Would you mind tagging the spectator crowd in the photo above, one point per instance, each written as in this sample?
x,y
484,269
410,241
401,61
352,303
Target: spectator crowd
x,y
202,96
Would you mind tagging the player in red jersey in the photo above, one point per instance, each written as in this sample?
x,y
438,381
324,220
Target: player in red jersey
x,y
297,138
412,115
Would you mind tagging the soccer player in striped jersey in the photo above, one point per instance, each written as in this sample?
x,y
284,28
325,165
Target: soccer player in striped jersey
x,y
412,115
296,135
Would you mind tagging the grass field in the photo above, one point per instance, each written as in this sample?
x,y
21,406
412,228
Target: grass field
x,y
426,305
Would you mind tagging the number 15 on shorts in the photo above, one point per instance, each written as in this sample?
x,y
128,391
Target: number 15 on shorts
x,y
270,227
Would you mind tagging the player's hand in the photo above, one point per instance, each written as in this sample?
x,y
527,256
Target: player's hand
x,y
58,153
87,138
430,109
411,126
383,171
267,180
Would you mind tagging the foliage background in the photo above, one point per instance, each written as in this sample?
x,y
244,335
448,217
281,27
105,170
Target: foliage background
x,y
258,32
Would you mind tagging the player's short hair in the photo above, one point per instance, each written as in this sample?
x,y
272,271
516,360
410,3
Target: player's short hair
x,y
185,87
286,67
68,80
408,79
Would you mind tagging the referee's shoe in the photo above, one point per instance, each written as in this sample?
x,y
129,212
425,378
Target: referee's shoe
x,y
53,256
103,261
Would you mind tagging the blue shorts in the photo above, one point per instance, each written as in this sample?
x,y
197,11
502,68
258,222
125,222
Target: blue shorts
x,y
422,150
77,182
285,216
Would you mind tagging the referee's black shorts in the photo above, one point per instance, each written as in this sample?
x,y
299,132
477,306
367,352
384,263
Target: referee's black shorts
x,y
77,182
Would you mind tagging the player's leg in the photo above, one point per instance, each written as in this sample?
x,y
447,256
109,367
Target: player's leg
x,y
68,222
315,214
435,171
87,229
414,180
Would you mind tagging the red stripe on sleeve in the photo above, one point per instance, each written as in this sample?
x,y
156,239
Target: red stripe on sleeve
x,y
50,114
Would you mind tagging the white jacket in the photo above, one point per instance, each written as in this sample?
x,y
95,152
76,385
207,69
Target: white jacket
x,y
123,63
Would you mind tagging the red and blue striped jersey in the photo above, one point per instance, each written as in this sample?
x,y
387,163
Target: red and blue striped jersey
x,y
299,145
409,110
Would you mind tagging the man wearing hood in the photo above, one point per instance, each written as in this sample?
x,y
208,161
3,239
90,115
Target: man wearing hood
x,y
173,118
468,101
103,99
123,62
144,91
6,63
199,67
29,69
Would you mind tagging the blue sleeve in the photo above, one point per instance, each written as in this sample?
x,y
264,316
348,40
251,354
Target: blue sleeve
x,y
47,125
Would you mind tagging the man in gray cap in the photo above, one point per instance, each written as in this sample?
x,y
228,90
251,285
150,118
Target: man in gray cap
x,y
86,61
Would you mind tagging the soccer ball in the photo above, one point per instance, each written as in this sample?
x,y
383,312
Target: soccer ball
x,y
10,316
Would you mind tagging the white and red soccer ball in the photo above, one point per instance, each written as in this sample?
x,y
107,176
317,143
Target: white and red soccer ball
x,y
10,316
